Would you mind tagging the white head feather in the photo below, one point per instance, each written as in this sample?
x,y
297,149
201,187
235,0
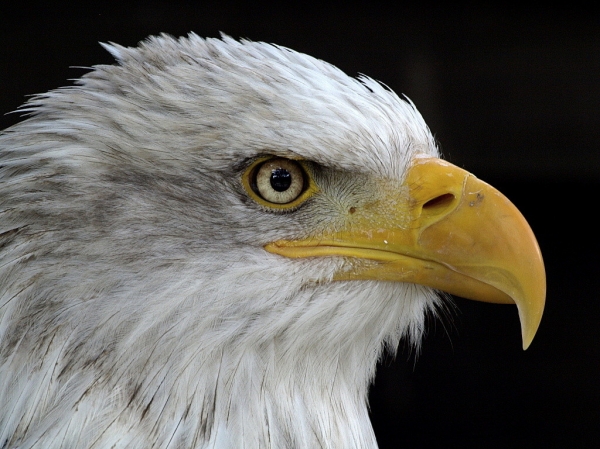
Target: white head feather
x,y
138,307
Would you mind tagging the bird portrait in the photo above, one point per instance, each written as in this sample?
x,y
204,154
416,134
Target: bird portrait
x,y
212,242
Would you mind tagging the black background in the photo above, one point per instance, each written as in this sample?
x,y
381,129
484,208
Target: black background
x,y
512,95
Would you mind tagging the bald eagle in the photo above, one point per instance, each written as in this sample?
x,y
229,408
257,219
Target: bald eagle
x,y
210,243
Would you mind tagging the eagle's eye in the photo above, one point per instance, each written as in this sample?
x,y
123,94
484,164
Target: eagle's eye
x,y
279,180
278,183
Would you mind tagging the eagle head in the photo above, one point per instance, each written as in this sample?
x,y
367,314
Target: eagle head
x,y
210,243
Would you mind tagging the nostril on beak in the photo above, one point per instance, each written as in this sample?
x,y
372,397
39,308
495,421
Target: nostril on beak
x,y
438,204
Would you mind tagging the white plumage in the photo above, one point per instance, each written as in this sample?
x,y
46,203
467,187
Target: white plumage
x,y
138,306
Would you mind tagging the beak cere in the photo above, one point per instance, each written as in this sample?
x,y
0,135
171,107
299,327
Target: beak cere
x,y
445,229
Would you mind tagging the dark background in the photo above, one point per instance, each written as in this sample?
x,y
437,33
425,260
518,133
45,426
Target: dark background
x,y
511,95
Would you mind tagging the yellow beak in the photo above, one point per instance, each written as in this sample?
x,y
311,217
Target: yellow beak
x,y
442,228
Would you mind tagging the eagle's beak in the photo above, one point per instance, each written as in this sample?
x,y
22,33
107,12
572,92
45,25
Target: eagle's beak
x,y
442,228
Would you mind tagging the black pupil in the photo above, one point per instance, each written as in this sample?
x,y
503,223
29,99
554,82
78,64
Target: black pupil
x,y
281,179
